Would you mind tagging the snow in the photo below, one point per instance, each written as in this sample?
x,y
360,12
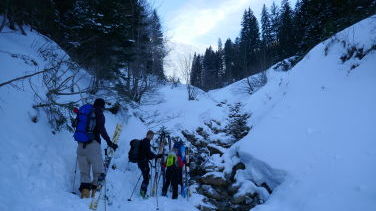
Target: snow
x,y
38,166
321,132
246,186
312,136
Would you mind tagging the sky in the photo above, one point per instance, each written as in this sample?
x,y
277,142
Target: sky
x,y
201,23
193,25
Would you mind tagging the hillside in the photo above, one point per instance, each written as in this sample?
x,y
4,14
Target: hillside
x,y
311,139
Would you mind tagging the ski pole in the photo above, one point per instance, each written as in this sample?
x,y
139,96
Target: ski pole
x,y
156,193
151,181
105,195
74,177
161,175
157,201
130,198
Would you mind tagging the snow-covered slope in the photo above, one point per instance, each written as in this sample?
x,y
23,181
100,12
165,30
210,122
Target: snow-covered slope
x,y
321,128
313,124
37,167
316,123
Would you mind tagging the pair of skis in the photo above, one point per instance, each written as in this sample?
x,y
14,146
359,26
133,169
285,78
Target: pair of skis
x,y
185,192
156,174
154,189
109,152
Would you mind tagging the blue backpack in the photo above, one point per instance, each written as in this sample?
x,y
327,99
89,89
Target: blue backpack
x,y
180,149
85,124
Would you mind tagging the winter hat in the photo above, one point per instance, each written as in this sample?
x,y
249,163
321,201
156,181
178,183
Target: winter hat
x,y
150,132
99,103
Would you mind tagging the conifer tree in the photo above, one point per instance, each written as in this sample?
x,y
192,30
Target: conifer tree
x,y
285,31
210,71
196,72
237,122
274,22
228,57
238,61
157,46
266,26
249,43
267,40
220,63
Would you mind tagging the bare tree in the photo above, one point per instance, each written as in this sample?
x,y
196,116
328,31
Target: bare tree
x,y
252,83
185,66
61,85
174,80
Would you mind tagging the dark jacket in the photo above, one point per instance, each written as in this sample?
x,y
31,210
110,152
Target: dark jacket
x,y
145,152
99,129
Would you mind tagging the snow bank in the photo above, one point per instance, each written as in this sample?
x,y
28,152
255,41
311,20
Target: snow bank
x,y
321,129
312,126
37,166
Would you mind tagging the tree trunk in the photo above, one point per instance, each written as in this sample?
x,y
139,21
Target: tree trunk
x,y
22,30
128,81
4,20
11,19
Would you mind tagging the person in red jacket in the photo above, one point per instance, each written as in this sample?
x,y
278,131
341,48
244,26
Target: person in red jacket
x,y
172,165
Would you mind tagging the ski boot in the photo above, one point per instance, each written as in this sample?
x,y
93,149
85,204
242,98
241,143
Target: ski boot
x,y
85,193
85,190
144,195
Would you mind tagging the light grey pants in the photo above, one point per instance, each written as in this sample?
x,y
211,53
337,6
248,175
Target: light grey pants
x,y
88,158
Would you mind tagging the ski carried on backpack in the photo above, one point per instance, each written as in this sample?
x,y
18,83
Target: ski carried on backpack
x,y
181,152
99,192
185,189
156,174
163,168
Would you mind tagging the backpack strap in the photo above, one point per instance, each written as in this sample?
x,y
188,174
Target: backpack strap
x,y
91,123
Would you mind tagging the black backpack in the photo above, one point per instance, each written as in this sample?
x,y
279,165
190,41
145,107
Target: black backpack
x,y
133,154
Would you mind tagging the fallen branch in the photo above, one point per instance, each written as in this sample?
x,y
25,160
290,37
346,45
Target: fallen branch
x,y
24,77
54,103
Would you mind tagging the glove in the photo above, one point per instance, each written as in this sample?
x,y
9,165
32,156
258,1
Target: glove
x,y
112,145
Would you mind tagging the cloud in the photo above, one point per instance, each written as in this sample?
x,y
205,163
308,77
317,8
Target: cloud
x,y
201,22
198,18
194,25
